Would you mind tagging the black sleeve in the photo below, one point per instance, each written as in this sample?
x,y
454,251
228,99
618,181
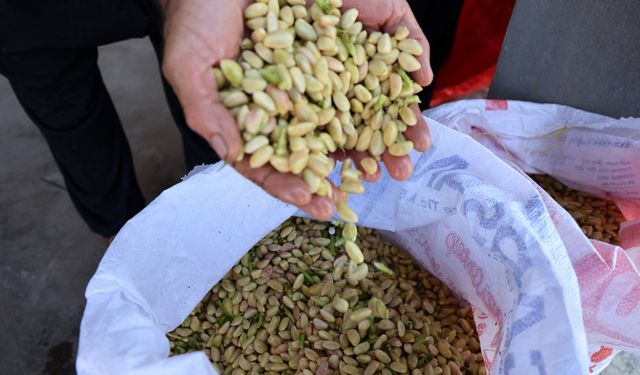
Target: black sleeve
x,y
70,24
439,20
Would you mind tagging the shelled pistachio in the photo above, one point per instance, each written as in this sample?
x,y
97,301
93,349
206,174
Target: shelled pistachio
x,y
295,304
598,218
311,81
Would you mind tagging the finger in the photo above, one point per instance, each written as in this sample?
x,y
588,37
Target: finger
x,y
339,154
196,88
215,124
403,16
419,134
389,16
320,207
337,195
399,167
284,186
357,157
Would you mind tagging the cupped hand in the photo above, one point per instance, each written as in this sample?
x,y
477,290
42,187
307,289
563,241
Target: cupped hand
x,y
387,16
201,33
198,35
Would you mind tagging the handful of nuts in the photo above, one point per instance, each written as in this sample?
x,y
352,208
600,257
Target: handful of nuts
x,y
311,81
295,304
598,218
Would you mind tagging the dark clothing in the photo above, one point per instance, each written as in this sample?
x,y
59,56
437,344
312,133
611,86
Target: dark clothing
x,y
27,25
438,20
48,51
49,54
63,94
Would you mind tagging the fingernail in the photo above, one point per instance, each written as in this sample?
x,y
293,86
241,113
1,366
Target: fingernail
x,y
219,145
323,210
427,144
296,195
430,75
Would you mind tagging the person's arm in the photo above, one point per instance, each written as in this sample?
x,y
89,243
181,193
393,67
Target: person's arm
x,y
201,33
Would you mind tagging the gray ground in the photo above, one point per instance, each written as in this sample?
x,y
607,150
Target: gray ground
x,y
47,254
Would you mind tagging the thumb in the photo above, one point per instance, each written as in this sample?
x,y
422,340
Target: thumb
x,y
405,17
196,89
214,123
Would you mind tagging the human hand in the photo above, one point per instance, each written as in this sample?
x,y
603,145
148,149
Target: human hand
x,y
201,33
387,16
198,35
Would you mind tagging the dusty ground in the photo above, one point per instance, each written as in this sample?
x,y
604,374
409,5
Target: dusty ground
x,y
47,254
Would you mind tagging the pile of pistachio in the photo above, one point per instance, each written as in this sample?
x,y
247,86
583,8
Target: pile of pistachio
x,y
311,81
598,218
295,304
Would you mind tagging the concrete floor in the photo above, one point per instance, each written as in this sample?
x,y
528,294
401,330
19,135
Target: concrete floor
x,y
47,254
